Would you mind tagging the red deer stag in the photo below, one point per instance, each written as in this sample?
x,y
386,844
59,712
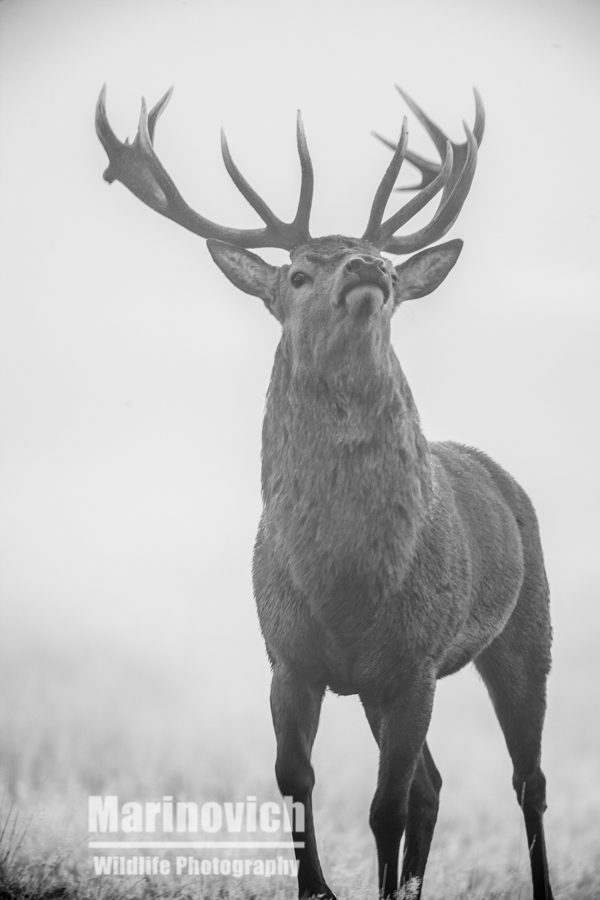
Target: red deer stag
x,y
382,562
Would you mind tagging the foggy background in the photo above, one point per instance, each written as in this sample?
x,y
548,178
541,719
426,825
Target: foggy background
x,y
133,375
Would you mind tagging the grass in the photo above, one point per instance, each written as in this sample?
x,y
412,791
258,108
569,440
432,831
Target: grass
x,y
22,878
79,718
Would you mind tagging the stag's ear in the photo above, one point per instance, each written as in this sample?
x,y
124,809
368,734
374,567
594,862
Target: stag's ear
x,y
246,270
423,272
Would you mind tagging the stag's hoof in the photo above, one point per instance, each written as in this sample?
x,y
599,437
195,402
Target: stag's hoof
x,y
324,894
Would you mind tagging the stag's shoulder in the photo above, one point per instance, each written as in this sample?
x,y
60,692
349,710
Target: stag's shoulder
x,y
471,469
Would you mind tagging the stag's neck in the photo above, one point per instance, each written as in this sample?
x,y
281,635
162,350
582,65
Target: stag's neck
x,y
349,441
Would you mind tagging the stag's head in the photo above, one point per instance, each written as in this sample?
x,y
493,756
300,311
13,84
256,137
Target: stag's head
x,y
336,297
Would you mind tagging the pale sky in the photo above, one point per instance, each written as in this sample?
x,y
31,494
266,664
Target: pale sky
x,y
132,375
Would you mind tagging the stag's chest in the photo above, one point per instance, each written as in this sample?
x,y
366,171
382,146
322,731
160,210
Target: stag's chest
x,y
337,538
343,519
343,505
339,619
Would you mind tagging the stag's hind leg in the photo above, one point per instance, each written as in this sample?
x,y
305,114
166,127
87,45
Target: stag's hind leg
x,y
514,668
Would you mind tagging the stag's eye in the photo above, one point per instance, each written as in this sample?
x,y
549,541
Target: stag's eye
x,y
299,278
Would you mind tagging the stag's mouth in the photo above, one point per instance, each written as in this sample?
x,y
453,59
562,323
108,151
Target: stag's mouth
x,y
364,297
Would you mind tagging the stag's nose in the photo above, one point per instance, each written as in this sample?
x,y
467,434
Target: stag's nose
x,y
366,267
365,287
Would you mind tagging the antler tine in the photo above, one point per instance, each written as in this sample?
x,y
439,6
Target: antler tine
x,y
157,111
427,168
382,195
302,217
137,166
448,209
246,190
479,124
106,135
434,131
410,209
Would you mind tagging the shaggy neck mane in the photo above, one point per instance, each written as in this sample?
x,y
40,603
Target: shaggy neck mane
x,y
351,442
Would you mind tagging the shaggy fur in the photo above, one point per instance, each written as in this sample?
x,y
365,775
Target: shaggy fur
x,y
382,562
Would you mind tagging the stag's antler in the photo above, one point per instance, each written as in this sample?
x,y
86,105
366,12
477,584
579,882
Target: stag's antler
x,y
454,175
137,166
426,167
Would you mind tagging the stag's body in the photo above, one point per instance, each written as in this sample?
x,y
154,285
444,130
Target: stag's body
x,y
376,550
382,562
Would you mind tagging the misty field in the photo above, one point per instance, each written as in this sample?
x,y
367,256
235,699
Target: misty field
x,y
132,385
138,710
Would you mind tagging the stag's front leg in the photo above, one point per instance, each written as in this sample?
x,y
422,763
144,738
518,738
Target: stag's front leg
x,y
295,706
403,723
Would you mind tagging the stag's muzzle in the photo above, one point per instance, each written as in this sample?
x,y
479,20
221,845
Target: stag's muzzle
x,y
366,285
